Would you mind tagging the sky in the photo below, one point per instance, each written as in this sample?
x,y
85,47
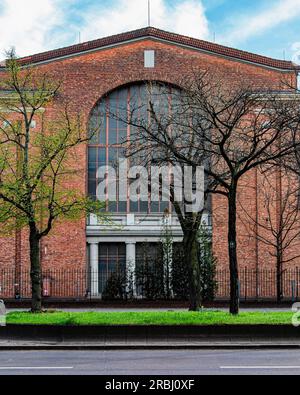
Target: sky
x,y
267,27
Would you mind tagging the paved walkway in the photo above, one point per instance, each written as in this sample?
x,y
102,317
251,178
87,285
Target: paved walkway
x,y
136,344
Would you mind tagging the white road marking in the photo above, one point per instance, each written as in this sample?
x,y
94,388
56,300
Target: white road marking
x,y
258,367
36,368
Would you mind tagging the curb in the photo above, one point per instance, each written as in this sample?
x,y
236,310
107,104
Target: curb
x,y
88,338
154,347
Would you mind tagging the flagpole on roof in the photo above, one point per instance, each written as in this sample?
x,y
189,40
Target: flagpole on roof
x,y
149,13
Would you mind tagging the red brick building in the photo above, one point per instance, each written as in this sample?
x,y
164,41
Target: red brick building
x,y
116,66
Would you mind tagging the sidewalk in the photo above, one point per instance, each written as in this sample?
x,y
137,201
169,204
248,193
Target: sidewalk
x,y
215,344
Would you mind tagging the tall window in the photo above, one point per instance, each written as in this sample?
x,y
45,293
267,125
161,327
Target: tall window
x,y
110,134
112,262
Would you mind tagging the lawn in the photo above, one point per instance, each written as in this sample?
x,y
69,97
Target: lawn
x,y
150,318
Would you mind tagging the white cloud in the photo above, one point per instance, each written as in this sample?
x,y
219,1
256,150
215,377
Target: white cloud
x,y
33,26
282,11
186,17
27,24
190,20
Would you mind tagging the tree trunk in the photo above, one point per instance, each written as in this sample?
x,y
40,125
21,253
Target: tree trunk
x,y
232,246
35,273
191,253
279,277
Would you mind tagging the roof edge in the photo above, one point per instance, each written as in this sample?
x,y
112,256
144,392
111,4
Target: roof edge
x,y
149,32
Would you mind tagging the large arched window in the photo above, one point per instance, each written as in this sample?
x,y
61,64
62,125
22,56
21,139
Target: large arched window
x,y
110,133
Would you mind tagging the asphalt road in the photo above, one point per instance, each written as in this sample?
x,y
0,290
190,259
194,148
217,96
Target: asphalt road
x,y
154,363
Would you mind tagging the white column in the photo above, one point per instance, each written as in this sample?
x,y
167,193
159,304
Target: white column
x,y
131,266
94,267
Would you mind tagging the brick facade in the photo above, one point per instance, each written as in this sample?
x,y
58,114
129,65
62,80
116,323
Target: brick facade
x,y
86,77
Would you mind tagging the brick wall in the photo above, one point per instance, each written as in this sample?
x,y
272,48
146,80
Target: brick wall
x,y
85,79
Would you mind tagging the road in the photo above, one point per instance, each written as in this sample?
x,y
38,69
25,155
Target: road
x,y
133,363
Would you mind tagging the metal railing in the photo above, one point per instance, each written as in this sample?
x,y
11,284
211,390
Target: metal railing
x,y
81,284
261,284
57,283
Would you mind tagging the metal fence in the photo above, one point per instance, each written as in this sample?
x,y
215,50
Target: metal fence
x,y
82,284
57,284
261,284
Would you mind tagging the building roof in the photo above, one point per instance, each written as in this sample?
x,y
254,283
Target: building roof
x,y
161,35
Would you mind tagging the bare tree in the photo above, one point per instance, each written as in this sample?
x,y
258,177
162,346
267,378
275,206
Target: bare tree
x,y
278,225
36,164
230,130
143,150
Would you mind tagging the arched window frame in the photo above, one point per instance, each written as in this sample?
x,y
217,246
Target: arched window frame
x,y
108,143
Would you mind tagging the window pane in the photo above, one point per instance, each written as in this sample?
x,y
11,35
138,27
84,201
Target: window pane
x,y
92,166
134,207
144,207
112,207
122,136
154,207
92,155
102,155
92,174
92,187
113,156
94,136
164,206
122,207
123,95
102,136
112,137
113,124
